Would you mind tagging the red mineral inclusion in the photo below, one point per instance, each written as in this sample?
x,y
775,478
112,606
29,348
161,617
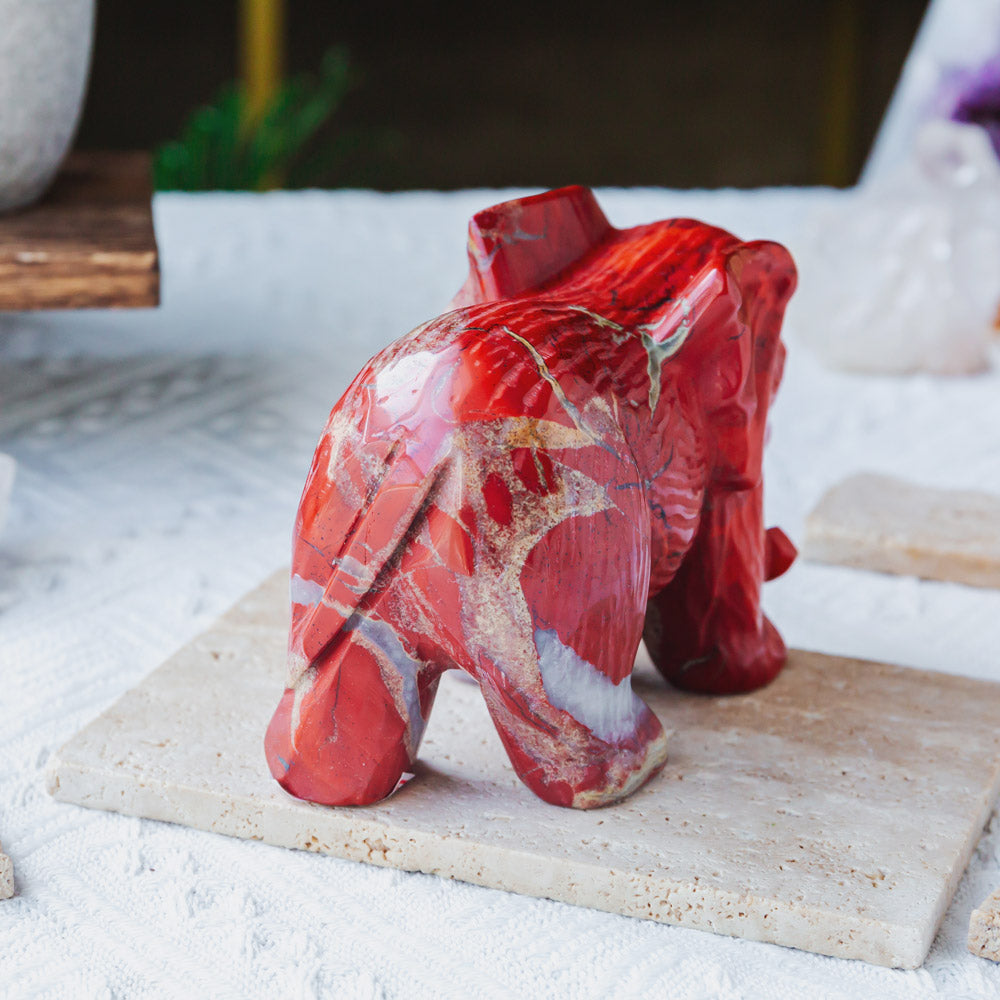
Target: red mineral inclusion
x,y
566,462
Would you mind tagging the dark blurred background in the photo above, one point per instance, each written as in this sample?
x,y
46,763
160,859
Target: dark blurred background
x,y
452,95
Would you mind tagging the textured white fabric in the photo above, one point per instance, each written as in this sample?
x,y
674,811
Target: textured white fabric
x,y
160,456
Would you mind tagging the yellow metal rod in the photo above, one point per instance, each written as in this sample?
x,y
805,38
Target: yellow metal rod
x,y
262,51
840,104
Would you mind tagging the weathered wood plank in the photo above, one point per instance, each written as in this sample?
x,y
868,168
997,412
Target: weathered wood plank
x,y
89,244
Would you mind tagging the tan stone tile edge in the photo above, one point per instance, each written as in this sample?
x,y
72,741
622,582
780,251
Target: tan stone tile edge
x,y
348,834
889,525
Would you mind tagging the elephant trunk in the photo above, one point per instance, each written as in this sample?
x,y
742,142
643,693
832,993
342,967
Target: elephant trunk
x,y
705,630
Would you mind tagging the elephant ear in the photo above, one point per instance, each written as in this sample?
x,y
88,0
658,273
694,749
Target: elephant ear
x,y
725,381
731,405
749,359
520,244
766,276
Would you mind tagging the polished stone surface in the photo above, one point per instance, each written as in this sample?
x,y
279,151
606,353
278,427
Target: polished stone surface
x,y
893,526
834,810
566,462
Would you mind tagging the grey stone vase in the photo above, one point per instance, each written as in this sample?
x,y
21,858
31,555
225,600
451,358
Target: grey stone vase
x,y
44,62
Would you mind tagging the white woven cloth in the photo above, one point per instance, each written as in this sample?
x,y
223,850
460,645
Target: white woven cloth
x,y
160,457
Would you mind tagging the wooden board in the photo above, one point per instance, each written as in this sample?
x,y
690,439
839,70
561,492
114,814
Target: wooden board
x,y
834,810
89,244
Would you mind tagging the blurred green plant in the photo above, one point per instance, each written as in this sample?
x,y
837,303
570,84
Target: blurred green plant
x,y
222,148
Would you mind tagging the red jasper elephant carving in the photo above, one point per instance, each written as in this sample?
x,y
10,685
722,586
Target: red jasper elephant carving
x,y
524,487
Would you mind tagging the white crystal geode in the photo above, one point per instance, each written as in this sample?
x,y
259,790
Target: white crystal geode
x,y
903,274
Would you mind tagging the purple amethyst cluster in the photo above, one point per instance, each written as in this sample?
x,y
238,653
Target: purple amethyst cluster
x,y
977,99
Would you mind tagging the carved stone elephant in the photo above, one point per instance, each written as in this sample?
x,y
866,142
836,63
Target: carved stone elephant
x,y
523,488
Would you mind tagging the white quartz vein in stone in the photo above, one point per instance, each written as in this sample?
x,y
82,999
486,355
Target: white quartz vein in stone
x,y
610,711
307,593
383,637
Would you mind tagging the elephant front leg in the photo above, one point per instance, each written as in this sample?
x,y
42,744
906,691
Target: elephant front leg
x,y
705,630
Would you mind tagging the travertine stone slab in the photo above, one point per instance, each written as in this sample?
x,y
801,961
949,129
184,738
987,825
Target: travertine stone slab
x,y
984,928
833,811
885,524
6,876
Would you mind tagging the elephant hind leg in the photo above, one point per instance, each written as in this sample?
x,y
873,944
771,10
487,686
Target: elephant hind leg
x,y
558,683
562,759
351,726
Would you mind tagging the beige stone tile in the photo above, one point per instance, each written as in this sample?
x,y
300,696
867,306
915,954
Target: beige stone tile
x,y
984,928
892,526
6,876
833,811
